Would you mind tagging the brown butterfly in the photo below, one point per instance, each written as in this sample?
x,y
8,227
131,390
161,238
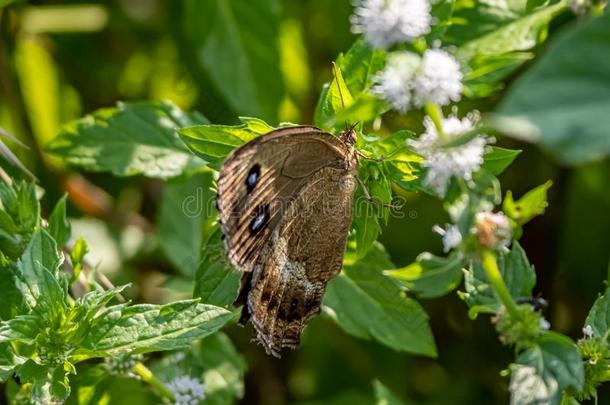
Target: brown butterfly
x,y
285,204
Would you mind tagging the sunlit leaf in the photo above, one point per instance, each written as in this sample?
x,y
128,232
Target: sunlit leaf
x,y
369,305
131,139
532,203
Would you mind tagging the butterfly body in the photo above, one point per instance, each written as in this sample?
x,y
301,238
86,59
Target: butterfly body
x,y
285,202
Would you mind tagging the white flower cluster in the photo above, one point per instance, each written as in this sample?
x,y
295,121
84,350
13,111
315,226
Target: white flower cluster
x,y
444,162
122,365
187,390
384,23
409,80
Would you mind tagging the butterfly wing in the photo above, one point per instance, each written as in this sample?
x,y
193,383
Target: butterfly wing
x,y
285,203
303,253
259,180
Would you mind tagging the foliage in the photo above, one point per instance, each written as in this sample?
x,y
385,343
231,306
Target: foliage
x,y
68,334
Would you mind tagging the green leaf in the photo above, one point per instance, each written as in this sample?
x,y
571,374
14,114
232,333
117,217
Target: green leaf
x,y
59,226
352,76
359,65
77,256
19,217
566,95
497,53
22,328
131,139
518,274
366,225
384,396
214,142
234,48
533,203
498,159
12,299
368,305
8,361
599,316
145,327
335,97
430,276
187,205
37,272
543,372
217,282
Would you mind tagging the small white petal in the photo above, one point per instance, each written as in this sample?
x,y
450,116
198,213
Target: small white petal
x,y
587,331
384,23
394,82
442,162
439,80
451,238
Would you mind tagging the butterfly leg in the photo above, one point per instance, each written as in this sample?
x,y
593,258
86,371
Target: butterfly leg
x,y
374,200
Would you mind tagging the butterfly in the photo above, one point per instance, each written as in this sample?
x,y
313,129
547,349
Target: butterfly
x,y
285,207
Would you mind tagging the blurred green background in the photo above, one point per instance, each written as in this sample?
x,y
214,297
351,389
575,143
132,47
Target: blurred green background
x,y
269,58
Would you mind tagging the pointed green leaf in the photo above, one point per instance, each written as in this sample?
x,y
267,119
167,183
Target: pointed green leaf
x,y
369,305
145,327
533,203
430,276
59,226
217,282
131,139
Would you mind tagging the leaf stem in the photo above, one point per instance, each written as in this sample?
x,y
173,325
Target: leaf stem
x,y
490,265
436,115
148,377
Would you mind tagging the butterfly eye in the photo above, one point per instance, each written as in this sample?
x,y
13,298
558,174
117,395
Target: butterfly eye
x,y
293,304
252,177
261,217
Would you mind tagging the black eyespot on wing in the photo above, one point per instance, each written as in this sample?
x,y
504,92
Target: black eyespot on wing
x,y
260,219
293,304
252,177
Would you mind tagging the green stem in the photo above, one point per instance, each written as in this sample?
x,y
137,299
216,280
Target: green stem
x,y
436,115
148,377
495,278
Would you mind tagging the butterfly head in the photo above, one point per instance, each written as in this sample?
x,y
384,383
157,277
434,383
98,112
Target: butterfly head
x,y
349,136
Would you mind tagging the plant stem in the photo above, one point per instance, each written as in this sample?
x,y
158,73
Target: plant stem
x,y
495,278
436,115
147,376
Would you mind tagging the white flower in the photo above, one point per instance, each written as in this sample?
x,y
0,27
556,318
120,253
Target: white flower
x,y
493,229
410,80
587,331
442,162
187,390
123,364
451,236
394,83
544,324
528,387
384,23
439,80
